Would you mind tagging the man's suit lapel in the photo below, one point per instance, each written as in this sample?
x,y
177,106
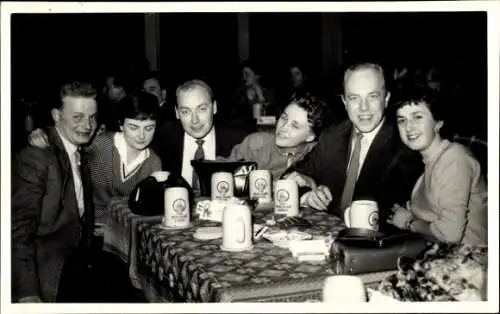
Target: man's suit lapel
x,y
89,213
377,149
219,142
180,146
68,197
68,200
344,150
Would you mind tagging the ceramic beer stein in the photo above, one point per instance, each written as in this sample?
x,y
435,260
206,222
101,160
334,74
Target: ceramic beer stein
x,y
222,186
362,214
286,198
260,185
177,210
237,228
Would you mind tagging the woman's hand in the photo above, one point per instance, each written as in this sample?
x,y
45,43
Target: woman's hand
x,y
400,217
38,138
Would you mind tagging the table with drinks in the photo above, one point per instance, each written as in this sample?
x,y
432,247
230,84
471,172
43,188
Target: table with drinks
x,y
175,266
171,262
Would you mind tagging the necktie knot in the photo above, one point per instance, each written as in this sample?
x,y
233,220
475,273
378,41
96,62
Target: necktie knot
x,y
359,136
200,142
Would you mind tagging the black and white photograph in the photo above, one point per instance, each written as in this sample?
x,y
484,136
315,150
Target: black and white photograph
x,y
290,156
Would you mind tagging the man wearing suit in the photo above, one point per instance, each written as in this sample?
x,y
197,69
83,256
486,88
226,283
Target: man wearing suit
x,y
55,256
196,136
52,212
363,157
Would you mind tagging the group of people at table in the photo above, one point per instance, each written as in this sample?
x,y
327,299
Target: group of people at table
x,y
63,181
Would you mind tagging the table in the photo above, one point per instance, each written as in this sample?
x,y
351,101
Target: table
x,y
174,266
119,237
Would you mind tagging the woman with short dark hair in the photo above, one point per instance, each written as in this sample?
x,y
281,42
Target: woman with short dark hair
x,y
449,201
119,160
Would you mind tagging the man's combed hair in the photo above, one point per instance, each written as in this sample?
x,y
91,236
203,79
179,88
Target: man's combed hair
x,y
365,65
192,84
316,109
78,89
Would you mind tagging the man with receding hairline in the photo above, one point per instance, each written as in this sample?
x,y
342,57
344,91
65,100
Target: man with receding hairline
x,y
361,158
194,135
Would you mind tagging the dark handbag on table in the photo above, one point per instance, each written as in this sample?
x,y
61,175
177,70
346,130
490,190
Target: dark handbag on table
x,y
148,196
239,169
357,251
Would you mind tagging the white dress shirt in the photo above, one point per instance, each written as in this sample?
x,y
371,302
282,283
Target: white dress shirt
x,y
190,147
72,150
366,142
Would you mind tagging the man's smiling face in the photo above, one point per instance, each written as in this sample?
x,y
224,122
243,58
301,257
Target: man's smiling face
x,y
196,109
365,98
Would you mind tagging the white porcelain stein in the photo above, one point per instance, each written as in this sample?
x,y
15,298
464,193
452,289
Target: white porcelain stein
x,y
286,198
362,214
260,185
222,186
237,228
177,211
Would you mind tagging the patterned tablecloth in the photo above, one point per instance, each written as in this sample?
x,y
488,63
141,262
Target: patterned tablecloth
x,y
119,237
181,268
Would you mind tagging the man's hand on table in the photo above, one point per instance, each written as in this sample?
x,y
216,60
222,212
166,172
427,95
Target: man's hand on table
x,y
302,180
319,198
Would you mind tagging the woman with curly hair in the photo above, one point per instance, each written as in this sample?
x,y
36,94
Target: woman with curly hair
x,y
297,129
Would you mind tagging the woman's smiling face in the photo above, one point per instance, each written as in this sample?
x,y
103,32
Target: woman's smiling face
x,y
417,126
293,128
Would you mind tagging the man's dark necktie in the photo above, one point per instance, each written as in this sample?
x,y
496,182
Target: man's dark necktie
x,y
352,174
88,215
198,155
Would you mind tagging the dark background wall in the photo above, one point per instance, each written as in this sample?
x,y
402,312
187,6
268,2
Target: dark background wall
x,y
455,42
49,47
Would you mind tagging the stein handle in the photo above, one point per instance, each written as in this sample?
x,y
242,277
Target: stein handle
x,y
241,238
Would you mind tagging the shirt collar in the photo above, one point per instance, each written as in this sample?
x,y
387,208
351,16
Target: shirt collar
x,y
209,137
68,146
371,135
